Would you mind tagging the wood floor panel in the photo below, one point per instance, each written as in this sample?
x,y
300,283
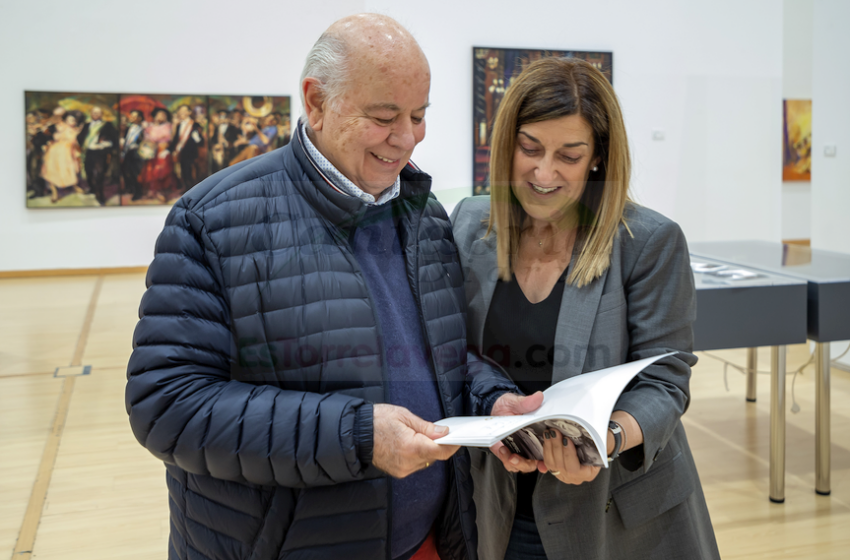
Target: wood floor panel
x,y
41,321
108,497
110,340
27,409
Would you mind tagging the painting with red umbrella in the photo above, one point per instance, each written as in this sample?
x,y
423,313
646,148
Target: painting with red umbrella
x,y
163,146
72,151
97,149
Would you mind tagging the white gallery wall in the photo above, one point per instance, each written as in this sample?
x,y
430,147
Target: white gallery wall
x,y
159,46
797,45
707,75
831,126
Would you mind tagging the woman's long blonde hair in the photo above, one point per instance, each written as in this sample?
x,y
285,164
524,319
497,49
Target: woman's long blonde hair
x,y
551,88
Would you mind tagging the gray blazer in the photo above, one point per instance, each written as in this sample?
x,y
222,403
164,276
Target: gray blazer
x,y
649,504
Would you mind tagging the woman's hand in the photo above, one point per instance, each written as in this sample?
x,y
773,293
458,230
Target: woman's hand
x,y
510,404
561,461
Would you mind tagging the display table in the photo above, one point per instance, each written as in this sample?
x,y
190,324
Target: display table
x,y
739,307
827,275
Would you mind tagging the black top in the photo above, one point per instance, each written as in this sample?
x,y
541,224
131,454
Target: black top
x,y
520,336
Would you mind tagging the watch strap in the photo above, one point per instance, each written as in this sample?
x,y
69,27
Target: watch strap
x,y
617,432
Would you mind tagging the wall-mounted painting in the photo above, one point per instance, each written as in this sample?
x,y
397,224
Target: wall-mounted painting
x,y
244,127
493,71
72,149
163,147
797,140
94,149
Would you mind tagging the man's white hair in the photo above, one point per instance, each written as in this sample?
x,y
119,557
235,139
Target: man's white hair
x,y
327,62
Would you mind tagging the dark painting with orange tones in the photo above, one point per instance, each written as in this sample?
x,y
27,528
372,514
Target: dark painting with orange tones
x,y
797,140
493,71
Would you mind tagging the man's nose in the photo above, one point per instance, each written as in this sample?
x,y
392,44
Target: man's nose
x,y
402,136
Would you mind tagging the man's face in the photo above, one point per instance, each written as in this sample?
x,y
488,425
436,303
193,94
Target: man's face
x,y
183,113
96,114
236,119
370,134
136,117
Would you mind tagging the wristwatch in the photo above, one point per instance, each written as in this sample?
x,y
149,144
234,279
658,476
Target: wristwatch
x,y
617,431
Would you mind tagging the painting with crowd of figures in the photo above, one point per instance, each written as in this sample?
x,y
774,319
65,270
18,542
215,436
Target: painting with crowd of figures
x,y
97,149
493,71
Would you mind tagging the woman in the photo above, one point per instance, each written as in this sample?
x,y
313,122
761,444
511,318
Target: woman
x,y
158,171
61,165
564,275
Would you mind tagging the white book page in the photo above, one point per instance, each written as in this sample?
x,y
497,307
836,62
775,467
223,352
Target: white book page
x,y
586,399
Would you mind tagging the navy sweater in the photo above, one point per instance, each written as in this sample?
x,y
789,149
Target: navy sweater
x,y
418,498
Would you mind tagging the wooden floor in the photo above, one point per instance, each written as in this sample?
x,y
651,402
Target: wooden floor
x,y
74,484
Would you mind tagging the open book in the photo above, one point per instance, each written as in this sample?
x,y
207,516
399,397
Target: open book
x,y
579,407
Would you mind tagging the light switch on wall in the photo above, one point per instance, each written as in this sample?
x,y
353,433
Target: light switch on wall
x,y
829,150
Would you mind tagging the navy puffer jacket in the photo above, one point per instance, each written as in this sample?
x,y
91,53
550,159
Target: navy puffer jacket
x,y
257,359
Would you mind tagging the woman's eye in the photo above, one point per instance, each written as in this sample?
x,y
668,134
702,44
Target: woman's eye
x,y
569,159
527,151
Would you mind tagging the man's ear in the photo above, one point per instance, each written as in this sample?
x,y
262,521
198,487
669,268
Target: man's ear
x,y
314,103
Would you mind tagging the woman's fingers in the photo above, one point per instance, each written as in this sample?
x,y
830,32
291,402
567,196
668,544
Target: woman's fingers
x,y
553,455
511,461
561,459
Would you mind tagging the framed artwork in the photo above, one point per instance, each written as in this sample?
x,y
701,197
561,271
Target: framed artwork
x,y
797,140
95,149
163,151
72,156
242,127
493,71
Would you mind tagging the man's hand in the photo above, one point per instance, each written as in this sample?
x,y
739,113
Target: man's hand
x,y
403,442
510,404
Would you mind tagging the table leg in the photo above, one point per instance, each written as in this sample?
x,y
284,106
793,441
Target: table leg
x,y
822,424
777,424
752,370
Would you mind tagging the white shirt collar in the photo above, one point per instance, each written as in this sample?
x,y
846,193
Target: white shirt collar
x,y
340,181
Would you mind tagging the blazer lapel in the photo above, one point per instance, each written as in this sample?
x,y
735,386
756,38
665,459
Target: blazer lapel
x,y
575,323
481,285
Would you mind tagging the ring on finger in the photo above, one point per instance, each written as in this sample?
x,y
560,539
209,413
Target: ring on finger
x,y
555,473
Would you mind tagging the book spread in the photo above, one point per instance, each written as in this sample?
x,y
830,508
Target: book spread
x,y
579,407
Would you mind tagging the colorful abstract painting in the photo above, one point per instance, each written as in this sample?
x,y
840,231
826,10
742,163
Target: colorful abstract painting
x,y
94,149
797,140
494,69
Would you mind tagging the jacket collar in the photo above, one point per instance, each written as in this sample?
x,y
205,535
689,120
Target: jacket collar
x,y
346,211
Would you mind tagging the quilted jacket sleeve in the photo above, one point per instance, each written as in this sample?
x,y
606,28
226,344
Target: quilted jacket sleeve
x,y
486,382
185,408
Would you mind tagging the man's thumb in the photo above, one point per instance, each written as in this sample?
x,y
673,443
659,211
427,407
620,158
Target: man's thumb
x,y
524,405
426,428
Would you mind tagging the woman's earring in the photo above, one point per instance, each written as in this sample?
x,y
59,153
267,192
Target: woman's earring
x,y
595,168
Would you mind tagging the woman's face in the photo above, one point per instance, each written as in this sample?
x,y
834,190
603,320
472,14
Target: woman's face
x,y
550,166
160,117
71,120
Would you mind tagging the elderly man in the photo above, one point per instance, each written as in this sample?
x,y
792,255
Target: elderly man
x,y
304,326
